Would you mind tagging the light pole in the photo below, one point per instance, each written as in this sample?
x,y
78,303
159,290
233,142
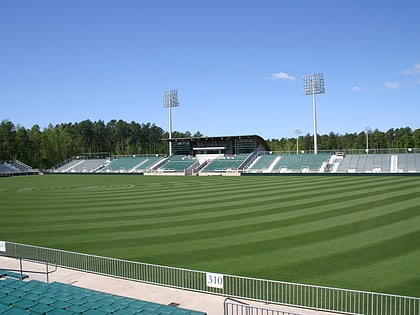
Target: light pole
x,y
367,131
297,133
314,84
170,99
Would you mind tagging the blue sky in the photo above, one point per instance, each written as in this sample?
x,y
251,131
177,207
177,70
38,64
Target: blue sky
x,y
238,65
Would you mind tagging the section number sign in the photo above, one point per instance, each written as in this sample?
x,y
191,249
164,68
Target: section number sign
x,y
214,280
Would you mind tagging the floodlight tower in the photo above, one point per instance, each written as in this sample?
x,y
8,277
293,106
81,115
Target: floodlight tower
x,y
314,84
170,99
367,132
297,133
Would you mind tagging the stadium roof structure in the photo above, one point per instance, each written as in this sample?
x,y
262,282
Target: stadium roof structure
x,y
221,144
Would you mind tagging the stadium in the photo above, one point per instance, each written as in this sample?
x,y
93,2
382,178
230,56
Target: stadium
x,y
332,231
243,209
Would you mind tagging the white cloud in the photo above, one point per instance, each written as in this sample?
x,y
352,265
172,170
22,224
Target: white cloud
x,y
282,76
392,85
414,70
355,88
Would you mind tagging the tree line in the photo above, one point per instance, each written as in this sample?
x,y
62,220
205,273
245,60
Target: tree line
x,y
45,148
375,139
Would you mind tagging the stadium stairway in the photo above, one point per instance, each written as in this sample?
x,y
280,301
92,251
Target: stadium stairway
x,y
37,297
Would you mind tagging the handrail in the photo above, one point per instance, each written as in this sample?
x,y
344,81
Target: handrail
x,y
47,271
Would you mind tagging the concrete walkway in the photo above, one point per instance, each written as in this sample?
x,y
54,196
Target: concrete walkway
x,y
211,304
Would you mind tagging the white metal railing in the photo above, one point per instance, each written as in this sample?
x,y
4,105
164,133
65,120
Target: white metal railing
x,y
269,291
234,307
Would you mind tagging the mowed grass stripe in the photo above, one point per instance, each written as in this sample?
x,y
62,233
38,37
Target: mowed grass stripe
x,y
139,227
167,241
127,221
146,200
236,240
312,269
150,208
202,228
288,263
214,223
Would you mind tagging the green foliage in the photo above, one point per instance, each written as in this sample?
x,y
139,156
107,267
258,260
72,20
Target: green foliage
x,y
393,138
48,147
356,232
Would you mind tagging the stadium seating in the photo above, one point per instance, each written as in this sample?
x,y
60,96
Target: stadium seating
x,y
82,166
14,167
89,166
178,163
36,297
124,164
226,163
23,168
265,162
7,168
409,163
291,163
149,163
380,163
132,164
67,166
15,275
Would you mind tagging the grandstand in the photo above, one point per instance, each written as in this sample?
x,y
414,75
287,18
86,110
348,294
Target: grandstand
x,y
237,155
290,163
15,168
177,164
377,163
225,164
130,164
118,164
81,165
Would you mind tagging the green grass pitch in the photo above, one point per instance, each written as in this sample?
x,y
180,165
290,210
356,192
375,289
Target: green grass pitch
x,y
356,232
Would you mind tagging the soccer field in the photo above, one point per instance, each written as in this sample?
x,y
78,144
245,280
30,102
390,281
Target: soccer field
x,y
356,232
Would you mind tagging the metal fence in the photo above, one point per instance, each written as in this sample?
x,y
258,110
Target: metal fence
x,y
269,291
233,307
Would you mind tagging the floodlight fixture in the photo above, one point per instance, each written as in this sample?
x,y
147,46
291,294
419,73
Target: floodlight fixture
x,y
297,132
170,99
314,84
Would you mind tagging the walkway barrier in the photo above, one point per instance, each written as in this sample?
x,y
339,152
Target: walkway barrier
x,y
234,307
268,291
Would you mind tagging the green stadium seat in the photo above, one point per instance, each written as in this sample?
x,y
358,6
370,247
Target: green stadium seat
x,y
78,309
9,299
16,275
93,312
41,308
4,308
25,304
59,311
61,304
35,297
15,311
